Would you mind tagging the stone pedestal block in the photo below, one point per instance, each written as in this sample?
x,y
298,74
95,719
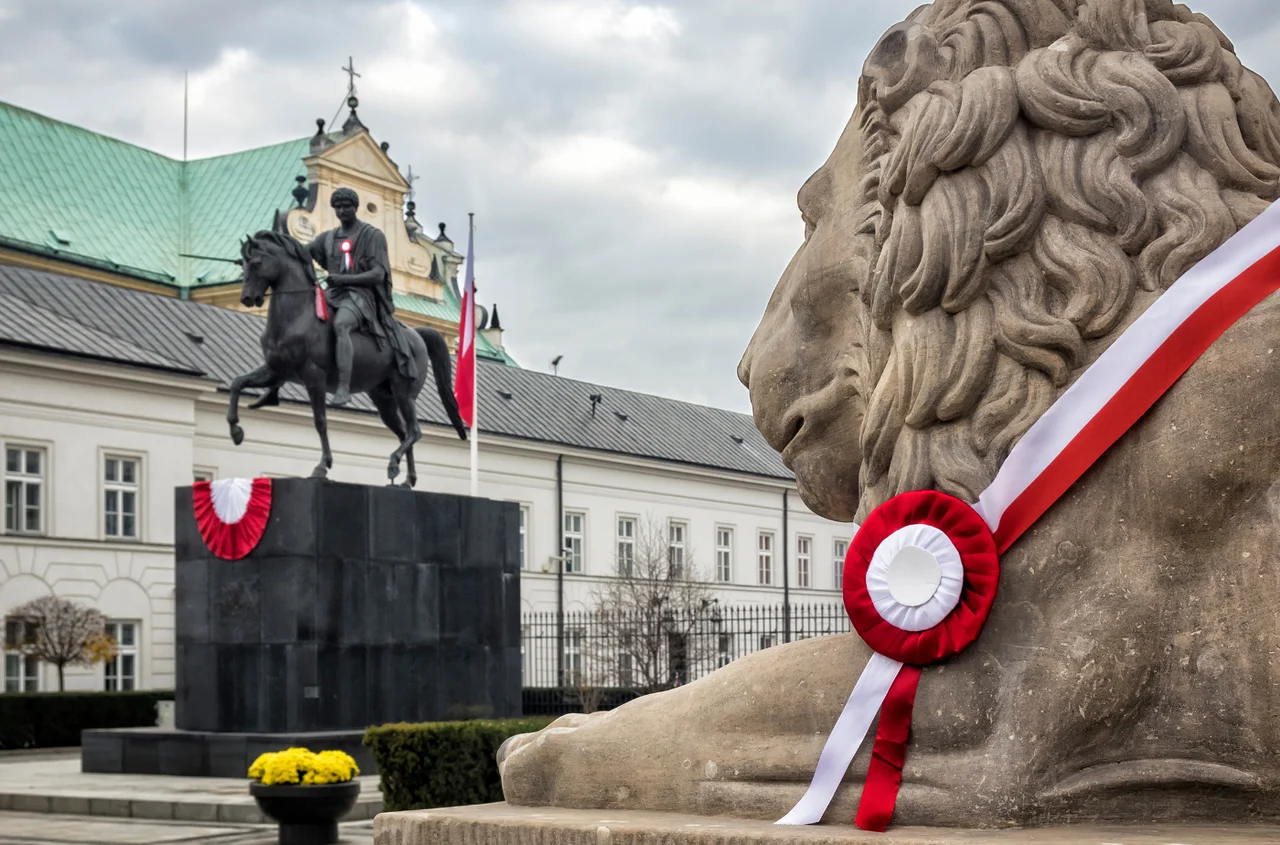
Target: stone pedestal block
x,y
359,606
503,824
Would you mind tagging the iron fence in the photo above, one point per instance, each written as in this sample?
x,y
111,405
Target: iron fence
x,y
640,651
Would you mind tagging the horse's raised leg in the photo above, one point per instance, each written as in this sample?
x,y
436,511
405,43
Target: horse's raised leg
x,y
267,400
261,377
316,393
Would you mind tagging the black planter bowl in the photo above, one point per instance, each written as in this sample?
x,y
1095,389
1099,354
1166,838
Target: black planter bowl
x,y
307,815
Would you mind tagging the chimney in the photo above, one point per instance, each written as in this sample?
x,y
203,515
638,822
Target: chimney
x,y
492,332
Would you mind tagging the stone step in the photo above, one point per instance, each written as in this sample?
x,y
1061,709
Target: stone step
x,y
56,785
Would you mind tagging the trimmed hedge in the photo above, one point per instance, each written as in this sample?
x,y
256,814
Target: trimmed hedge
x,y
55,719
442,764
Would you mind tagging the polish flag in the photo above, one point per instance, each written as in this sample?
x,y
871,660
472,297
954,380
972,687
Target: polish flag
x,y
464,385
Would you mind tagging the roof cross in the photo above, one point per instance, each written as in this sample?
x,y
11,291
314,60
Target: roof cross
x,y
410,178
351,75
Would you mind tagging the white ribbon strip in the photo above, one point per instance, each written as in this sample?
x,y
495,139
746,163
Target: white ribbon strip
x,y
231,498
1059,425
851,728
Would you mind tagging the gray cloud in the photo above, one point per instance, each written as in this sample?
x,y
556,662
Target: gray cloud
x,y
632,167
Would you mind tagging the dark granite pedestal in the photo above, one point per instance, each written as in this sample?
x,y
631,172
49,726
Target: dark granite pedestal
x,y
360,606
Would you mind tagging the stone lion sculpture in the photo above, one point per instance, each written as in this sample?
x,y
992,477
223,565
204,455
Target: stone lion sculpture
x,y
1020,180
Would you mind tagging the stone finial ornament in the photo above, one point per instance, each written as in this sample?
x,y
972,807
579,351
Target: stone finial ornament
x,y
1020,180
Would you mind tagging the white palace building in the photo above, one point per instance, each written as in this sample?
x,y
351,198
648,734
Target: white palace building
x,y
116,350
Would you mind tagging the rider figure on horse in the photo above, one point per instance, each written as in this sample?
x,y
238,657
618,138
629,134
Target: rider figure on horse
x,y
359,289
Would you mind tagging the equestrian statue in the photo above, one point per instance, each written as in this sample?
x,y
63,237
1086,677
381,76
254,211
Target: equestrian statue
x,y
342,339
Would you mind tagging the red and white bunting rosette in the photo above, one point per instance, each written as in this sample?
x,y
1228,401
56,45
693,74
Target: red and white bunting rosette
x,y
232,514
922,571
345,246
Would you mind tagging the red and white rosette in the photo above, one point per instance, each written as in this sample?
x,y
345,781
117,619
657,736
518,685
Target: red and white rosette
x,y
232,514
922,571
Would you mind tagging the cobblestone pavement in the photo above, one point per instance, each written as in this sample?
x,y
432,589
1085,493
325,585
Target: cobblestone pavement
x,y
52,829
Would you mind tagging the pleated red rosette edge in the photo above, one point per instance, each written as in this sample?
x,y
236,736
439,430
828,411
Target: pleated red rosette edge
x,y
232,540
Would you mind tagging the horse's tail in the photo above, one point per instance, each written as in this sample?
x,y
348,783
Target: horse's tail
x,y
441,365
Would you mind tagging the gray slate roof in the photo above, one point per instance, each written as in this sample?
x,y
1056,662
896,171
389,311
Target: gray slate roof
x,y
70,316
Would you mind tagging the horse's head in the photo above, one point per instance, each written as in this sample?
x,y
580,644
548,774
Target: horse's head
x,y
260,258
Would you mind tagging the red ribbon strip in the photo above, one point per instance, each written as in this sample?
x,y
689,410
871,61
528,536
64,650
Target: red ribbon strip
x,y
1152,380
322,307
1148,384
888,753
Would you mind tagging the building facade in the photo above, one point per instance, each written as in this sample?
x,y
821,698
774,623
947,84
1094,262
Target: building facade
x,y
114,363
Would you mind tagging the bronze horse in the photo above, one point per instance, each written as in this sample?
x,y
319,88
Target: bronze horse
x,y
298,347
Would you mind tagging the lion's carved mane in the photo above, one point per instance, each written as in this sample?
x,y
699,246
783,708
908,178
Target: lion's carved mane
x,y
1037,170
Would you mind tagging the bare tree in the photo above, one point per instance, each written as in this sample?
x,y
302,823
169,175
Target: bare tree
x,y
62,632
653,615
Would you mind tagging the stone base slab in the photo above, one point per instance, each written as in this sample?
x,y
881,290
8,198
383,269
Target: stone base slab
x,y
503,824
53,784
167,751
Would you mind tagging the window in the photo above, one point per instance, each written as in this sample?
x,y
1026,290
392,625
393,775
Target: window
x,y
573,656
626,546
120,502
626,674
524,536
202,475
677,659
676,533
122,671
839,550
24,470
19,632
724,651
21,673
766,641
573,534
724,554
804,552
764,558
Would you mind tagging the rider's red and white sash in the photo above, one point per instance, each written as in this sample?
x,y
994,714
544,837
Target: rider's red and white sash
x,y
922,571
232,514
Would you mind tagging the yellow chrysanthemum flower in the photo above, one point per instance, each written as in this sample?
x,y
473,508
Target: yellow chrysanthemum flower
x,y
301,766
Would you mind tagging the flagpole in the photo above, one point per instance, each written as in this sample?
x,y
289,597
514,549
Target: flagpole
x,y
475,395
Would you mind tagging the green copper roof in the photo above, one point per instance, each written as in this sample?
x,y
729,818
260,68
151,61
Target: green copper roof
x,y
79,196
231,196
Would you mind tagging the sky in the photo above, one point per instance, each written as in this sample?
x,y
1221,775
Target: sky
x,y
632,166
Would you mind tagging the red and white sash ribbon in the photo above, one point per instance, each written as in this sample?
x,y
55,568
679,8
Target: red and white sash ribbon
x,y
901,572
232,514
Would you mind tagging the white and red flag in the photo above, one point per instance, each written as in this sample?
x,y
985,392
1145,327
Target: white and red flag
x,y
464,379
922,571
464,383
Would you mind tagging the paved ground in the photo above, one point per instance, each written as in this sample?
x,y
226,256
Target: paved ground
x,y
49,829
46,799
52,782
